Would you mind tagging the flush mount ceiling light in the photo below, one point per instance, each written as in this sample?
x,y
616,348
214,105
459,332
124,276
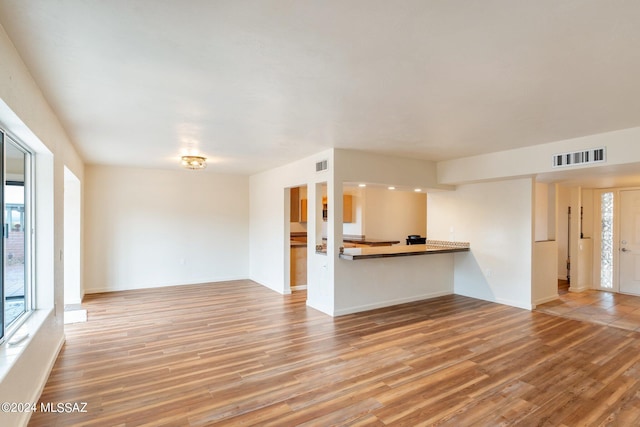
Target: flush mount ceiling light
x,y
194,162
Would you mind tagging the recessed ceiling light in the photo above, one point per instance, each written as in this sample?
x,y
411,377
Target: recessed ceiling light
x,y
362,185
417,190
392,188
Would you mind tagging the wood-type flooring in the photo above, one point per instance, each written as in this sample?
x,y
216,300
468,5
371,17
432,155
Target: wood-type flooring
x,y
236,353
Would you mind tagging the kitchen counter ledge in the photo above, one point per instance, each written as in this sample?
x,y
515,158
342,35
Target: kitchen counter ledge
x,y
430,248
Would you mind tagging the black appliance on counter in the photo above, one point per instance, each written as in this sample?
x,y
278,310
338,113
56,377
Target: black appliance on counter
x,y
415,239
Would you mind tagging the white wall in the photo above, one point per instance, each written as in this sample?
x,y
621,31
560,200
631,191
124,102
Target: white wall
x,y
541,209
380,282
394,214
73,291
544,286
581,250
366,284
544,281
582,276
496,218
564,201
587,217
148,228
621,149
25,113
552,213
270,228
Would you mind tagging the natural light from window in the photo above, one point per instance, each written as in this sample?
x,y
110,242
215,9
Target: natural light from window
x,y
606,250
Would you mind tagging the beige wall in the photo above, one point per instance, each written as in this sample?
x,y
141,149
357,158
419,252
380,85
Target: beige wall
x,y
394,214
379,213
148,228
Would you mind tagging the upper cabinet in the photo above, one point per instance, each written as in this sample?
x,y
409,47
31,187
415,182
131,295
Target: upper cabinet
x,y
295,205
347,208
325,209
299,207
303,210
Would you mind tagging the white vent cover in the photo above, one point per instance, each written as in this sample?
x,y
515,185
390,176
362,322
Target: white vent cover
x,y
321,166
595,155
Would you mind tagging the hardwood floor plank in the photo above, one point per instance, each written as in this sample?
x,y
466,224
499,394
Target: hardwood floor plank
x,y
236,353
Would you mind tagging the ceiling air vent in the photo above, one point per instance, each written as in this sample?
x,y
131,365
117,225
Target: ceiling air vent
x,y
321,166
595,155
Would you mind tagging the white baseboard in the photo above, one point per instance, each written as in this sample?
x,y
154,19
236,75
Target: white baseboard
x,y
388,303
321,308
545,300
576,289
163,285
561,277
516,304
299,288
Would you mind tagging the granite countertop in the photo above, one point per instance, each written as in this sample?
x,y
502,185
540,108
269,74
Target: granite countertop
x,y
366,241
432,247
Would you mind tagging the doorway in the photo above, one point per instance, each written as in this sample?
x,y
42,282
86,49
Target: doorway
x,y
298,238
629,253
617,241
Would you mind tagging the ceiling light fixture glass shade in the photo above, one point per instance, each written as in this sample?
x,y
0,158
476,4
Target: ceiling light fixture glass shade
x,y
194,162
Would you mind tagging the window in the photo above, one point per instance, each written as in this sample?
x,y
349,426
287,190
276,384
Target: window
x,y
15,272
606,249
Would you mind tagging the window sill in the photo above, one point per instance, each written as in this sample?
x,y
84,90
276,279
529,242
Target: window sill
x,y
9,353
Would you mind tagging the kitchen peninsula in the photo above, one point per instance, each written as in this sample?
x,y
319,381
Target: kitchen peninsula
x,y
431,247
299,239
362,241
388,275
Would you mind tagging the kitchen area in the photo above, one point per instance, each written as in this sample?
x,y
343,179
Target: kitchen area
x,y
377,221
344,199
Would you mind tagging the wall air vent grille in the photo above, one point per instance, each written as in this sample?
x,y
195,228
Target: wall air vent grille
x,y
321,166
595,155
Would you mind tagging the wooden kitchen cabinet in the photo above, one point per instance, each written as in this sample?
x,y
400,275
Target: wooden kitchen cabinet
x,y
303,210
347,209
295,205
298,266
325,208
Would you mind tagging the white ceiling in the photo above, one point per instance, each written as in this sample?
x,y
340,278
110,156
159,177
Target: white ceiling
x,y
256,84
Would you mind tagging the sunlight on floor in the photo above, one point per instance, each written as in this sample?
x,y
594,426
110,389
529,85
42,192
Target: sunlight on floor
x,y
75,316
605,308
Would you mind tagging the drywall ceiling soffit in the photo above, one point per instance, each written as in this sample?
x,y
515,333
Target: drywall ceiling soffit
x,y
138,83
618,176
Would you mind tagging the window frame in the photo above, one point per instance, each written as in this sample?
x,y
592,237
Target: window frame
x,y
7,330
